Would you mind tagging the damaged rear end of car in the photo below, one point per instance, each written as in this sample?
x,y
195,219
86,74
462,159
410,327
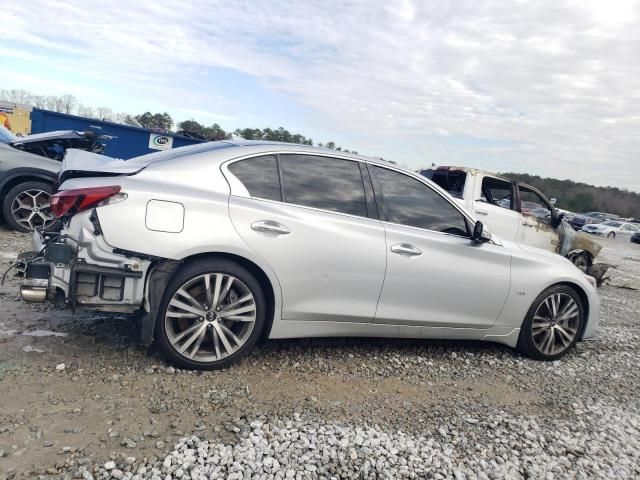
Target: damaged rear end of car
x,y
120,230
72,263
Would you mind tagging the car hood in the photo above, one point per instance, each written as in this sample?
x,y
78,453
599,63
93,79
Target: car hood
x,y
39,137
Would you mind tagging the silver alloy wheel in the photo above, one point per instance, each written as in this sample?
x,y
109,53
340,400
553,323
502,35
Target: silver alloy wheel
x,y
32,209
555,323
210,317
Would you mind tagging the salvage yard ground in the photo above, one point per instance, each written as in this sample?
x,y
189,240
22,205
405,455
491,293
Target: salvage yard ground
x,y
79,398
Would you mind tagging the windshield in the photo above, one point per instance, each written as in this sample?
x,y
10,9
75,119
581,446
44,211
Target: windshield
x,y
611,224
6,136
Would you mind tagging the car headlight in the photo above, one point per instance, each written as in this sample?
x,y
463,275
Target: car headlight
x,y
591,280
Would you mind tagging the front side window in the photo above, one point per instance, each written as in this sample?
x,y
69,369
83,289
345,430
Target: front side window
x,y
406,201
497,192
532,204
323,182
259,175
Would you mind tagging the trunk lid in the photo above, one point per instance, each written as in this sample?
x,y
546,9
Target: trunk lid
x,y
80,163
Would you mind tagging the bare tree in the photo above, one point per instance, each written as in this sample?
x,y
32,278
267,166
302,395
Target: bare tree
x,y
104,113
86,111
20,95
39,101
50,102
67,103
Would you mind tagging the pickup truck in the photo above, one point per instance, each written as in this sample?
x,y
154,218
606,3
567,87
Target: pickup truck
x,y
515,211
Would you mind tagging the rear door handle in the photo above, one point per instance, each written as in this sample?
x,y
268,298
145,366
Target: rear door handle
x,y
482,212
269,226
406,249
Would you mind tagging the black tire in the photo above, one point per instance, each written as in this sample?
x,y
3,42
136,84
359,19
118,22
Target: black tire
x,y
526,343
583,261
189,272
12,219
611,235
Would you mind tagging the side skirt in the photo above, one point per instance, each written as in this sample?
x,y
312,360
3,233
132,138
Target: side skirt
x,y
301,329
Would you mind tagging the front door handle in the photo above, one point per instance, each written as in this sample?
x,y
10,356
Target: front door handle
x,y
269,226
406,249
482,212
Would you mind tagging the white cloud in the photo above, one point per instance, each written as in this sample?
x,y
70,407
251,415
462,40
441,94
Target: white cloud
x,y
554,86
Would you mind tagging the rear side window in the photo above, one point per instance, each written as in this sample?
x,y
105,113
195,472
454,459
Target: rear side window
x,y
260,176
406,201
497,192
323,182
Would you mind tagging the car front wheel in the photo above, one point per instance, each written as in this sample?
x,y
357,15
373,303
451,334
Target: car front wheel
x,y
553,324
212,313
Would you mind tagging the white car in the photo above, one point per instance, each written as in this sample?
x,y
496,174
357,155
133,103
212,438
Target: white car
x,y
515,211
222,243
611,229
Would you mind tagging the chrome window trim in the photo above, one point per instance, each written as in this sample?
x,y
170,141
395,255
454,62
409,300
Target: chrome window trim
x,y
239,190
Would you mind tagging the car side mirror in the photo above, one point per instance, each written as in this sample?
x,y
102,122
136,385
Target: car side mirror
x,y
480,235
556,218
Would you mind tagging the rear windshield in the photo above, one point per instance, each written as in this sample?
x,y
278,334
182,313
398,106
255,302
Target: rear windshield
x,y
611,224
450,180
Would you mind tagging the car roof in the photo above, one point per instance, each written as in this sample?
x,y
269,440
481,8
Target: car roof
x,y
240,147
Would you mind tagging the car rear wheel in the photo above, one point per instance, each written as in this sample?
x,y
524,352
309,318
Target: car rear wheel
x,y
26,206
553,324
212,314
611,235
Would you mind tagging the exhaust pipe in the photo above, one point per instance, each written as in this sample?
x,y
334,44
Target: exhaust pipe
x,y
33,294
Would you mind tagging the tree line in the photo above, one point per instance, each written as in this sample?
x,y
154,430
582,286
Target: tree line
x,y
581,198
69,104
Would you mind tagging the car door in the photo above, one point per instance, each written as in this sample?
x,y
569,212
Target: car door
x,y
436,276
535,228
307,217
494,205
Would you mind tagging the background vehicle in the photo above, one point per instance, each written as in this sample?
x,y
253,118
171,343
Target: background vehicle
x,y
515,211
54,144
578,221
224,242
26,184
612,229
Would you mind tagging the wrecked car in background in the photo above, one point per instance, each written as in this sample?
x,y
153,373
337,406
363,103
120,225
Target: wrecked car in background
x,y
54,144
29,169
515,211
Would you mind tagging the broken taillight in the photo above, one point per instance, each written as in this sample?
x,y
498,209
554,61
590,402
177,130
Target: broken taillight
x,y
73,201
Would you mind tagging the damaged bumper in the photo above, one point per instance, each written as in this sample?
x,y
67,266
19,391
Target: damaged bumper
x,y
77,266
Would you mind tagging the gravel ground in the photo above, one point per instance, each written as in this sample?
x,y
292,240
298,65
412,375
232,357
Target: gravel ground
x,y
79,398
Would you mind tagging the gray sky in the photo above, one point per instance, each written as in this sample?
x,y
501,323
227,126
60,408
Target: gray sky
x,y
543,87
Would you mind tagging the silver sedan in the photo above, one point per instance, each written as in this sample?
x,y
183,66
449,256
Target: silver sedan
x,y
223,243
